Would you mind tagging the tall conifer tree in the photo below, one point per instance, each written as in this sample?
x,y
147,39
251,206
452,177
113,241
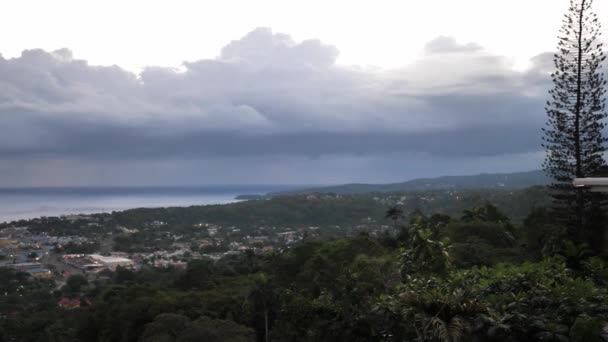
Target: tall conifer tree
x,y
573,138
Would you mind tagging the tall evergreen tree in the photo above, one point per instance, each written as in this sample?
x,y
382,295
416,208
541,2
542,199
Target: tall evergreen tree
x,y
573,138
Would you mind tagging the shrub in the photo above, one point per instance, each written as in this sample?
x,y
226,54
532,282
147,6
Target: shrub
x,y
586,329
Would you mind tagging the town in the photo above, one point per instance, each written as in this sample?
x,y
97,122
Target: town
x,y
96,245
50,248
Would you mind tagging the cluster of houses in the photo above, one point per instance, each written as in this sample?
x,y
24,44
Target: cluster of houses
x,y
35,269
96,262
42,255
20,249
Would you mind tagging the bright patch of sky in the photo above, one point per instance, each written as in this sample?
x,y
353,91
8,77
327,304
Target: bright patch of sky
x,y
384,33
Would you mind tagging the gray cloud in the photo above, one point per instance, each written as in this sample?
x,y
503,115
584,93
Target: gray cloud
x,y
443,44
267,95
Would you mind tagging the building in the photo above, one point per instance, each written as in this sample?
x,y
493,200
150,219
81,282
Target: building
x,y
40,273
73,256
25,266
74,218
72,303
111,262
167,263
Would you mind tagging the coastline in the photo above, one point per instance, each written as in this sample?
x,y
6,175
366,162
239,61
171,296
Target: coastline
x,y
30,203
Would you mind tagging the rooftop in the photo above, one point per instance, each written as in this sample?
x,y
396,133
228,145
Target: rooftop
x,y
108,259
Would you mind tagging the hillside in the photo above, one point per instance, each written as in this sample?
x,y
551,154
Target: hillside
x,y
344,210
507,181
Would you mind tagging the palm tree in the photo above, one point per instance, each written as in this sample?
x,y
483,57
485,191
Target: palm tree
x,y
424,255
442,313
575,253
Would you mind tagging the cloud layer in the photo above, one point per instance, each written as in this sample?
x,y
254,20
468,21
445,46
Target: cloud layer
x,y
267,96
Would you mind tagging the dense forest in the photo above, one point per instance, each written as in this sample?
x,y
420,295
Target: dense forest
x,y
312,209
505,181
475,276
324,209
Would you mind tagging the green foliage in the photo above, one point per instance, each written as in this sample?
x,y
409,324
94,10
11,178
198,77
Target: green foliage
x,y
494,234
573,139
123,275
327,210
529,301
450,280
75,283
586,329
424,255
83,248
596,268
481,243
142,242
166,327
394,213
442,311
540,230
574,253
539,299
473,251
485,213
179,328
206,329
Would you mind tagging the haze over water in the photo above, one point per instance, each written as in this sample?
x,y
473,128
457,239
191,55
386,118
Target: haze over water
x,y
27,203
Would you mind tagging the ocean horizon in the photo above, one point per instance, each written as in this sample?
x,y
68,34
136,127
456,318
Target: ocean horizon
x,y
32,202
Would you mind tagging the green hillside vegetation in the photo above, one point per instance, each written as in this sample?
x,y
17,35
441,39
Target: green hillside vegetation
x,y
506,181
321,209
476,276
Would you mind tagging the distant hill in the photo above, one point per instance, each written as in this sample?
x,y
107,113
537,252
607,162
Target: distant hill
x,y
518,180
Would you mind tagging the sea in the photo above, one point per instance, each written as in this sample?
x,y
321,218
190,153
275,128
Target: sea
x,y
28,203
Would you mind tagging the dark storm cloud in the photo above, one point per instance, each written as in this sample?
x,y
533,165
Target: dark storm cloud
x,y
268,95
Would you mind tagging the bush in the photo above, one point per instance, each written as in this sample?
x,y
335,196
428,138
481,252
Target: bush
x,y
494,234
586,329
474,252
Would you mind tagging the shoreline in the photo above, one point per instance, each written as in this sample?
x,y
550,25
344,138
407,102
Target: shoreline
x,y
30,203
55,210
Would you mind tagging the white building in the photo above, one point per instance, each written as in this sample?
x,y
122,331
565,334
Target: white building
x,y
111,262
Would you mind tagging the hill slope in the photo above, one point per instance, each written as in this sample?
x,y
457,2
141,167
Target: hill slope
x,y
518,180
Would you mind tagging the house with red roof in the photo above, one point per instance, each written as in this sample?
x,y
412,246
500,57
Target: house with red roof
x,y
72,303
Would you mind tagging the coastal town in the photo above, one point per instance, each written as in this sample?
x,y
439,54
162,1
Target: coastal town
x,y
96,244
68,257
49,247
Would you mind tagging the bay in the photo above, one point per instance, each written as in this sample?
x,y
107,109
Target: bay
x,y
27,203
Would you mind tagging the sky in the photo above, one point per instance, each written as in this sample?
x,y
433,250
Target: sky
x,y
271,92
